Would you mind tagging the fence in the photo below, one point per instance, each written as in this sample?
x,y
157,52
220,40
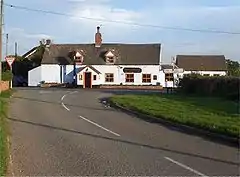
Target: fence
x,y
4,85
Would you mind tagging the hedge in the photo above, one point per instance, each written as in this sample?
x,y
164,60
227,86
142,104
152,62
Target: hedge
x,y
7,75
226,87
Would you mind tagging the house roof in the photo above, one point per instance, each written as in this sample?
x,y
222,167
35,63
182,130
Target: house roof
x,y
201,62
130,54
30,52
166,66
89,66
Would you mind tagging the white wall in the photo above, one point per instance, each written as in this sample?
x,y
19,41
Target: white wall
x,y
52,73
211,73
119,75
34,76
162,78
98,80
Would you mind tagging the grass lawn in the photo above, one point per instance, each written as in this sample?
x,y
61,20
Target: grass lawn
x,y
212,114
3,132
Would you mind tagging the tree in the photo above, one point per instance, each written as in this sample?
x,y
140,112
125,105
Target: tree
x,y
233,68
5,66
21,66
38,55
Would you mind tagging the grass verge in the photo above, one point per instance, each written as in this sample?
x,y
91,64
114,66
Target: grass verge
x,y
213,114
3,132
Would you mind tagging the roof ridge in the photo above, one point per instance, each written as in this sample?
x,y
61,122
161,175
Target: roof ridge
x,y
200,55
55,44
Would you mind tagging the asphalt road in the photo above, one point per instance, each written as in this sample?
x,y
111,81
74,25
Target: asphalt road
x,y
70,132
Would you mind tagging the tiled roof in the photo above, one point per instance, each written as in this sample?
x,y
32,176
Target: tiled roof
x,y
166,66
30,52
201,62
91,67
129,54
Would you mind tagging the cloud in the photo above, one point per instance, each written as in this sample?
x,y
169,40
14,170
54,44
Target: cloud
x,y
89,1
21,33
197,14
37,36
87,16
24,39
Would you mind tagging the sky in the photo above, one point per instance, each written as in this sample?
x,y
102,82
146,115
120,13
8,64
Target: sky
x,y
27,28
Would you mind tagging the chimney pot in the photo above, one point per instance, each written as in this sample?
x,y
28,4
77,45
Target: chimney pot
x,y
98,38
48,42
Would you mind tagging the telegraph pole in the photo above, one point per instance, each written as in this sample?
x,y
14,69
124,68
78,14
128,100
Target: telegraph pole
x,y
6,44
16,49
1,25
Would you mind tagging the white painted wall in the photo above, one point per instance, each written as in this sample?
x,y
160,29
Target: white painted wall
x,y
34,76
211,73
162,78
98,80
119,75
52,73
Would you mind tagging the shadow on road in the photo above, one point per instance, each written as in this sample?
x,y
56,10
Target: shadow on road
x,y
59,103
123,141
169,126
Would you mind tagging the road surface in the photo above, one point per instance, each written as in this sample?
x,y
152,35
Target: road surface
x,y
70,132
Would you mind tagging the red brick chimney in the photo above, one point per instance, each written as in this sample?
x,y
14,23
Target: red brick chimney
x,y
98,38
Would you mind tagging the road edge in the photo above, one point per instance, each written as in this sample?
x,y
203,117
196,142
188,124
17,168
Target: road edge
x,y
184,128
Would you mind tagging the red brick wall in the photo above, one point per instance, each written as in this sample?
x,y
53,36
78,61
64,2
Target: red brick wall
x,y
4,85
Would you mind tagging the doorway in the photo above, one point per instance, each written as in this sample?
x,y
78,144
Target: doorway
x,y
87,80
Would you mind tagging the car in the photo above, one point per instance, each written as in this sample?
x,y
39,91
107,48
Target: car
x,y
20,81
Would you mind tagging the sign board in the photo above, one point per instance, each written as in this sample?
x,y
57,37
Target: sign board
x,y
168,71
169,84
132,70
178,70
10,60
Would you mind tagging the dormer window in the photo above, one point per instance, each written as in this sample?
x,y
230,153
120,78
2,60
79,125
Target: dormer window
x,y
110,57
78,58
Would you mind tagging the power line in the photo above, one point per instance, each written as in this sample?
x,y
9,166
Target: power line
x,y
122,22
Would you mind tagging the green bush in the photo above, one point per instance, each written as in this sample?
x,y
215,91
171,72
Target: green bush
x,y
225,87
7,75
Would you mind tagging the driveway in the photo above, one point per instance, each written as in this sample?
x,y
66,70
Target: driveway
x,y
70,132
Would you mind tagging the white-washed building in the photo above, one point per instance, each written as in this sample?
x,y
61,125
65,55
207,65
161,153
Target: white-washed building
x,y
99,63
205,65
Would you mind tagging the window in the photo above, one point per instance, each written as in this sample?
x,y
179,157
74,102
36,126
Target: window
x,y
146,78
129,77
215,75
79,59
80,77
109,77
110,59
206,75
94,77
169,77
154,77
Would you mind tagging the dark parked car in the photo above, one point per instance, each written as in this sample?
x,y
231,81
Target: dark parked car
x,y
20,81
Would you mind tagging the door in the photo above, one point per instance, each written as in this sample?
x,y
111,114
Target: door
x,y
87,80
